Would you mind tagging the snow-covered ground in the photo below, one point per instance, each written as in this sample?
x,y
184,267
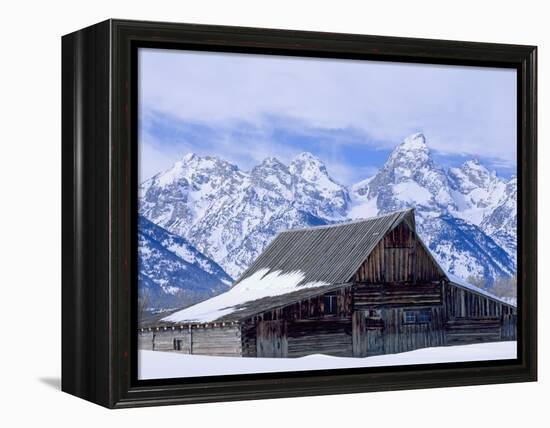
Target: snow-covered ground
x,y
159,365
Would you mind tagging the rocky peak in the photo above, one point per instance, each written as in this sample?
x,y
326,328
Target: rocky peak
x,y
307,166
472,175
410,177
271,163
271,174
476,172
189,157
414,142
412,154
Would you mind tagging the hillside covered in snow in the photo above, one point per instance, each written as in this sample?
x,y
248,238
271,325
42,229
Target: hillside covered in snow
x,y
171,272
466,215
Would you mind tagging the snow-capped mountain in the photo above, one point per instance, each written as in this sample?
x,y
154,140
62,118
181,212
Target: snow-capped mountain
x,y
487,201
172,273
231,215
466,215
457,209
408,178
501,221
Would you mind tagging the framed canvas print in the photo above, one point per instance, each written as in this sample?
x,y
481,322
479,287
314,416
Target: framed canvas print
x,y
253,213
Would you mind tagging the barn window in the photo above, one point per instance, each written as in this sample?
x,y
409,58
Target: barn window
x,y
409,317
417,317
424,317
330,304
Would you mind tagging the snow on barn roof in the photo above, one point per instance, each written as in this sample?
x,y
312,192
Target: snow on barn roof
x,y
298,264
255,294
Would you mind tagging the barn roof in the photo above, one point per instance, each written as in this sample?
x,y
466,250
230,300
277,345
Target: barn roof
x,y
330,254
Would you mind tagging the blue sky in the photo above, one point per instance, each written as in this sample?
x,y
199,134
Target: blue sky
x,y
350,114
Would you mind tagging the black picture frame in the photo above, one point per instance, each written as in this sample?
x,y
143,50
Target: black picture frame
x,y
99,212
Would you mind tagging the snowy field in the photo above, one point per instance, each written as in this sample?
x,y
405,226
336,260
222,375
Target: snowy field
x,y
159,365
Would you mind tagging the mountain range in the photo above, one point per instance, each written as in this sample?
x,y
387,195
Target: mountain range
x,y
225,217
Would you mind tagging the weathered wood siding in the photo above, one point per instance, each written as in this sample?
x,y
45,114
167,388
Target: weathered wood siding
x,y
145,340
298,338
398,258
218,340
462,331
271,339
462,303
312,308
402,337
163,340
509,326
371,296
474,318
221,341
301,328
329,337
359,333
248,339
384,331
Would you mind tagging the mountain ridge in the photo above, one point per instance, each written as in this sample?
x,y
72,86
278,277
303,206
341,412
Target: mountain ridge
x,y
466,214
171,272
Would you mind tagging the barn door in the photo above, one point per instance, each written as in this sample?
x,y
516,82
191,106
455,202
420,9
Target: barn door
x,y
375,333
271,339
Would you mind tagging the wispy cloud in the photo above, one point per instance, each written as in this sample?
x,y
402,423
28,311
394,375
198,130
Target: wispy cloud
x,y
165,138
247,107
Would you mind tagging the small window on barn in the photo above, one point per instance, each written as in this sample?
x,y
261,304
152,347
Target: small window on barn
x,y
330,303
409,317
424,317
178,344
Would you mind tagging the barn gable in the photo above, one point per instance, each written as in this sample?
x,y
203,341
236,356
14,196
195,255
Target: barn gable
x,y
400,257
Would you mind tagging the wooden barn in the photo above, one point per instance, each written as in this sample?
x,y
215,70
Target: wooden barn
x,y
357,289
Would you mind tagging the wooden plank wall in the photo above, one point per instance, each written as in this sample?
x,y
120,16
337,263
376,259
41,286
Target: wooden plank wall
x,y
271,339
474,318
462,331
145,341
369,296
463,303
383,331
329,337
164,339
359,333
312,308
398,258
401,337
248,339
283,331
509,327
223,341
